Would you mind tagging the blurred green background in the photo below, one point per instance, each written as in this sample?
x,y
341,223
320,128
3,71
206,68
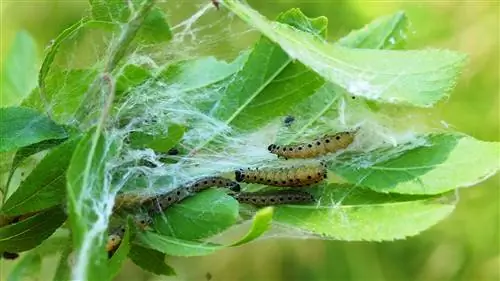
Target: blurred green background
x,y
466,246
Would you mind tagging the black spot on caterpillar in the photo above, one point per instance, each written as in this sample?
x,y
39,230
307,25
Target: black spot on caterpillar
x,y
317,147
207,182
274,197
143,221
292,176
10,256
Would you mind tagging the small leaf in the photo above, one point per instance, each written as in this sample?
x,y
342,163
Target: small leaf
x,y
85,185
442,163
369,216
45,186
18,70
116,261
28,267
419,78
176,247
260,224
387,32
21,126
255,97
29,233
158,143
155,28
150,260
208,213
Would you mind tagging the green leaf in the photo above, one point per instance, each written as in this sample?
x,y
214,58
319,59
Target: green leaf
x,y
419,78
158,143
363,215
45,186
116,261
150,260
29,233
176,247
85,185
28,267
384,33
131,76
29,150
260,224
64,90
441,163
255,97
63,270
110,10
208,213
387,32
155,28
18,70
21,126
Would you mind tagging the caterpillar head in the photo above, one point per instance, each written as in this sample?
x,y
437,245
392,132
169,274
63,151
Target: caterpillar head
x,y
271,147
235,187
239,175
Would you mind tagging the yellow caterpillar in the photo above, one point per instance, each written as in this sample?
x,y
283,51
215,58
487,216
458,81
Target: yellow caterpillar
x,y
274,197
293,176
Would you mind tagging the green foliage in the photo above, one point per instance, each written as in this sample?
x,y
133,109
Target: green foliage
x,y
29,233
21,126
201,216
291,70
45,186
150,260
18,70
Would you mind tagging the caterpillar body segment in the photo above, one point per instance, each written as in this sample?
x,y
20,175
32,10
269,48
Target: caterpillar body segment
x,y
142,221
321,146
274,197
291,177
207,182
160,203
114,240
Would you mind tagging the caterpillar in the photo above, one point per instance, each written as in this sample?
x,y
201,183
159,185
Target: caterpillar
x,y
293,176
274,197
114,240
207,182
317,147
143,220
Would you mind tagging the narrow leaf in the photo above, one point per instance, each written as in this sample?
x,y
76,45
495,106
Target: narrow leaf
x,y
441,163
176,247
18,70
45,186
29,150
86,185
29,233
119,257
369,216
206,214
260,224
419,78
150,260
21,126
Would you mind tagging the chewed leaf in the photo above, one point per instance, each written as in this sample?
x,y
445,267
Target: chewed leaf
x,y
369,217
176,247
201,216
418,78
260,224
255,97
442,163
21,126
150,260
30,232
388,32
